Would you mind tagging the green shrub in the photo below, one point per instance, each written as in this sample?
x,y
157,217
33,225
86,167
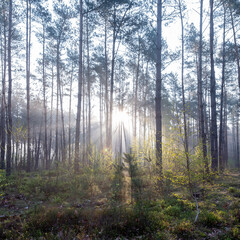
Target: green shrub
x,y
210,219
173,211
236,232
184,230
232,190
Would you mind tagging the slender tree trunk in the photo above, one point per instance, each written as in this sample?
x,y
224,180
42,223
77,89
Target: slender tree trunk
x,y
46,160
24,153
3,107
112,76
225,132
159,94
28,86
214,142
51,125
57,103
106,84
237,137
84,121
77,140
9,123
145,104
186,147
64,147
221,128
69,119
202,133
136,92
38,144
89,90
100,115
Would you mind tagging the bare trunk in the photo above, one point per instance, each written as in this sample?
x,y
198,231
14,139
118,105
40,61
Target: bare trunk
x,y
3,107
51,125
46,160
186,147
221,128
69,119
64,147
28,86
112,77
57,103
136,92
89,91
9,123
225,132
77,140
202,133
214,142
159,94
106,84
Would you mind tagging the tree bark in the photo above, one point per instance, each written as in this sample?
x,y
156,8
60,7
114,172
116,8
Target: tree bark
x,y
89,91
9,123
106,84
186,147
77,140
46,160
64,147
158,105
3,107
221,128
57,103
112,76
28,85
214,142
202,133
69,119
136,91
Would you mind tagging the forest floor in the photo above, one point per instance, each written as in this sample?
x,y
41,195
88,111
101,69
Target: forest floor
x,y
57,205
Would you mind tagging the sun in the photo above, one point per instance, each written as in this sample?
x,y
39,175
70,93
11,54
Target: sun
x,y
121,117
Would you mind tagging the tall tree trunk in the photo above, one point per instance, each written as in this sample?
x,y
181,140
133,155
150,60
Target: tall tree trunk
x,y
84,121
9,123
51,121
38,145
89,90
237,137
3,107
145,104
112,76
225,132
100,115
159,94
214,142
69,119
186,147
106,84
57,104
77,140
202,133
136,91
63,127
46,160
28,85
221,128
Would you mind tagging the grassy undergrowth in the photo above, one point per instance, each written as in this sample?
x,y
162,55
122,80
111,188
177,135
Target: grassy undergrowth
x,y
61,205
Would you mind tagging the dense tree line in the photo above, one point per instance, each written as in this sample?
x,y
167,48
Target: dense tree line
x,y
88,61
